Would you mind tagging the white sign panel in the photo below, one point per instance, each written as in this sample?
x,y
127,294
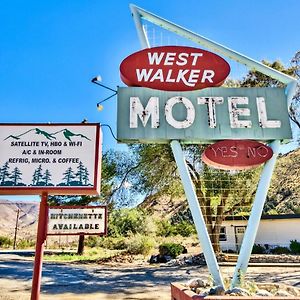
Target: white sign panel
x,y
57,158
65,220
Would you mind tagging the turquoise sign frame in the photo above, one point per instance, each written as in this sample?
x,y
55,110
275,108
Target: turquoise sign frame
x,y
153,116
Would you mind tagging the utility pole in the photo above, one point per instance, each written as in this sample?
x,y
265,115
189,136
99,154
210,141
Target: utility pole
x,y
16,228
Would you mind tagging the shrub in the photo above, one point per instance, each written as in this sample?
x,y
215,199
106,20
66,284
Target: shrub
x,y
164,228
92,241
280,250
185,229
126,221
112,243
295,247
5,241
171,249
258,249
139,244
24,244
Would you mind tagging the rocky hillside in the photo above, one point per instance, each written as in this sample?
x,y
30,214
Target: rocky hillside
x,y
284,193
283,196
28,213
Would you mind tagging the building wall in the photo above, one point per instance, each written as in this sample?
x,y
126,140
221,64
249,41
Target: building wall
x,y
274,232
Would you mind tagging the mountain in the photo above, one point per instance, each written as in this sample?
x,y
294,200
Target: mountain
x,y
284,193
28,215
283,196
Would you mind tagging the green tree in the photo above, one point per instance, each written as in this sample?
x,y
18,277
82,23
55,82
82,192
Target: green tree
x,y
4,173
47,177
85,176
219,192
80,172
37,176
68,176
16,175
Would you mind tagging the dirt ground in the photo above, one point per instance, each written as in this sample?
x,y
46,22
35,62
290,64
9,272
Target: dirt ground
x,y
124,281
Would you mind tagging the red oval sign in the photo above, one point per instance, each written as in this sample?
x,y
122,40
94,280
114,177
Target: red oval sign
x,y
236,154
174,68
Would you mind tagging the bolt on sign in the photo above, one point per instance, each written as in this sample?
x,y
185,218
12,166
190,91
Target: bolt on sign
x,y
57,158
152,116
76,220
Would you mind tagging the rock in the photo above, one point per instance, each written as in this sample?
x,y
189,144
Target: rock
x,y
153,259
218,291
282,293
201,292
159,259
292,291
197,283
237,292
263,293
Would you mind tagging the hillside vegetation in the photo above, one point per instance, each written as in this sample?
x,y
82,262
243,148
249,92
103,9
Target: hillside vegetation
x,y
284,193
283,196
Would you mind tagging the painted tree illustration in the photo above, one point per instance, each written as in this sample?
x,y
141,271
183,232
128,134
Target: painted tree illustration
x,y
68,176
4,173
47,177
80,172
16,176
37,175
86,176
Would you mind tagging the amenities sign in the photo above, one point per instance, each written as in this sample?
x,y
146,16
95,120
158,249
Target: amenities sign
x,y
212,114
57,158
66,220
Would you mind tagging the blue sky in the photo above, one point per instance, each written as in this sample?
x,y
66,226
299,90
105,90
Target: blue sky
x,y
50,50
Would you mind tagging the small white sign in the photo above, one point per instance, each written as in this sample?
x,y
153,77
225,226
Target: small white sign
x,y
66,220
56,158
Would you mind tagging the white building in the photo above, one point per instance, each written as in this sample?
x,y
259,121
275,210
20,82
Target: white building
x,y
274,230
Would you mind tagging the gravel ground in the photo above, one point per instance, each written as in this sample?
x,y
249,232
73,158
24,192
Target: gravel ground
x,y
109,281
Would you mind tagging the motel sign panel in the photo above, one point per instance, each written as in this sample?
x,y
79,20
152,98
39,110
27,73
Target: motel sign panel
x,y
148,115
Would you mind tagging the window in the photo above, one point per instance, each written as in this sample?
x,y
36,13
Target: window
x,y
223,236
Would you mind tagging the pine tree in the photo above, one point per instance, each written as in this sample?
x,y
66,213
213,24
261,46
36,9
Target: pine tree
x,y
37,175
4,173
68,176
47,177
16,175
80,172
86,176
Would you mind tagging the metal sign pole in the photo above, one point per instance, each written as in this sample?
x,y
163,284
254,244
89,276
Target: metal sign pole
x,y
254,219
39,248
199,222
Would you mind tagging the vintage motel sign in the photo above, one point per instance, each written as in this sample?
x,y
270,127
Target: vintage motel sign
x,y
203,116
248,115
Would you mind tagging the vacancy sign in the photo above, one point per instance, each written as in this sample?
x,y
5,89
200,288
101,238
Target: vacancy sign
x,y
57,158
73,220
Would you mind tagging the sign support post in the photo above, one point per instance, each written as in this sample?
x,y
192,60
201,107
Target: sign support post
x,y
254,219
39,249
191,196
